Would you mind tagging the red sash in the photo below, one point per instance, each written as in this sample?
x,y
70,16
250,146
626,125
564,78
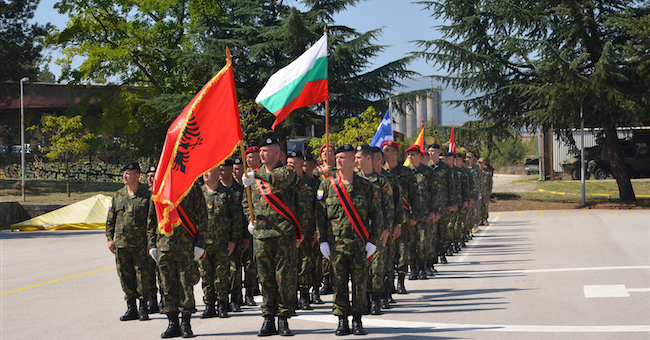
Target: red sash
x,y
350,211
186,222
407,207
274,202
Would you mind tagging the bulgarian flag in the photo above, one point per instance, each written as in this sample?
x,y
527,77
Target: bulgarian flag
x,y
418,141
299,84
206,133
452,140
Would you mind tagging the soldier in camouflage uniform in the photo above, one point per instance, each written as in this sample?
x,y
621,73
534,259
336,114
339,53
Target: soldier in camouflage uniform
x,y
241,248
421,242
465,185
275,236
398,220
363,160
322,171
176,256
127,239
456,198
487,175
408,188
247,258
153,305
442,176
220,242
309,164
453,200
478,179
238,169
307,202
344,241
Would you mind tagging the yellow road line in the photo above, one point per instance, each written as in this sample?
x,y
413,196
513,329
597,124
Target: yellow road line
x,y
520,213
586,212
563,212
542,212
499,213
631,211
57,280
609,212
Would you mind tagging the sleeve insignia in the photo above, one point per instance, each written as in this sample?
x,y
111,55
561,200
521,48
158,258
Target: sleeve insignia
x,y
386,187
319,195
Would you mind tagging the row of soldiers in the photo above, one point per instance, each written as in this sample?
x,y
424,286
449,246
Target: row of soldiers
x,y
367,217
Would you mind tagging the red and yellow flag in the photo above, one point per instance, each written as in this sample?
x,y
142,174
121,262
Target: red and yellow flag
x,y
205,134
452,140
418,141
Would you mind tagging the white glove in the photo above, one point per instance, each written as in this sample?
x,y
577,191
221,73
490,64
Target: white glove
x,y
153,252
198,252
248,178
370,249
325,249
251,227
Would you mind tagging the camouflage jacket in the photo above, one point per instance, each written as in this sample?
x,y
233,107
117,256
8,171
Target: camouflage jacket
x,y
408,187
455,186
425,191
444,177
385,191
313,183
307,204
223,219
337,229
489,181
285,185
441,194
181,240
126,223
238,192
397,198
479,181
465,184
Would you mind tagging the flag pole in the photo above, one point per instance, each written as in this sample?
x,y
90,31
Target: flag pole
x,y
327,120
243,159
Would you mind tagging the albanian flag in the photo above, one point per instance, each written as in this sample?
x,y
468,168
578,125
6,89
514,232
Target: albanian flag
x,y
205,134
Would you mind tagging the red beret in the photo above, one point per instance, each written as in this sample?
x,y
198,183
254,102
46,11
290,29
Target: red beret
x,y
252,149
413,148
323,147
390,143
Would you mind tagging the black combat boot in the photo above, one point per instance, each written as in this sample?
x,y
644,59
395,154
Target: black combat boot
x,y
283,326
422,274
357,326
450,248
153,305
268,326
222,309
143,313
401,289
209,311
385,304
456,247
303,303
390,298
186,328
427,267
173,330
414,270
248,299
327,285
434,260
443,258
234,303
344,327
315,296
375,304
131,311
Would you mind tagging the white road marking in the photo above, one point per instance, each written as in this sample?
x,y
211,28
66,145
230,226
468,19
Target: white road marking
x,y
478,239
384,323
605,291
557,270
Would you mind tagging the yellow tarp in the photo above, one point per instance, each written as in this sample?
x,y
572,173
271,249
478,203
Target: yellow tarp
x,y
87,214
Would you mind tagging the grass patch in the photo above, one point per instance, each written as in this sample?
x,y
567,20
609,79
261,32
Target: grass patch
x,y
54,191
592,187
519,201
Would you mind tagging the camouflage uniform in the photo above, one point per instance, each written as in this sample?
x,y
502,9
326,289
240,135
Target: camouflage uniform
x,y
487,174
425,203
316,266
178,270
126,224
409,189
223,220
398,219
465,186
348,253
477,176
307,203
237,258
457,198
274,240
444,174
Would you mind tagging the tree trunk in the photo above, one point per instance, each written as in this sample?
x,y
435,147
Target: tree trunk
x,y
67,175
619,169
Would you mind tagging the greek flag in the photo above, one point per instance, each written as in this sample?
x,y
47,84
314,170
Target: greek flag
x,y
384,131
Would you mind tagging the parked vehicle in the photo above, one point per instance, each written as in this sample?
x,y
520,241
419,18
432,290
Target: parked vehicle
x,y
531,165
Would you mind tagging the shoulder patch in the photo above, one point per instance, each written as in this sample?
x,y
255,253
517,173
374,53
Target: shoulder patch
x,y
319,195
302,188
375,194
387,186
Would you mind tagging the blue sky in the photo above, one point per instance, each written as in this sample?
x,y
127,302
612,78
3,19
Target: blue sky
x,y
402,22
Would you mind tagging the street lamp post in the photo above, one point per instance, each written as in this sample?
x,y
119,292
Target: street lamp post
x,y
22,135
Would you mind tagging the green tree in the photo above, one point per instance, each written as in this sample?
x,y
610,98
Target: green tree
x,y
19,50
537,63
68,140
355,130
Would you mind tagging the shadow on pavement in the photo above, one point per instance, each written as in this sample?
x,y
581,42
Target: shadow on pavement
x,y
8,235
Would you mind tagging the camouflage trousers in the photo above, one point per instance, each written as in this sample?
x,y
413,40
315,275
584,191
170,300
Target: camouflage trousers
x,y
277,268
485,201
442,233
389,278
305,263
134,270
345,267
236,270
404,249
250,267
421,242
178,275
377,268
459,224
317,267
150,280
215,273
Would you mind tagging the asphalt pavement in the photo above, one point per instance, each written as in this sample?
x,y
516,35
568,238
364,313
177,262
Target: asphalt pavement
x,y
574,274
